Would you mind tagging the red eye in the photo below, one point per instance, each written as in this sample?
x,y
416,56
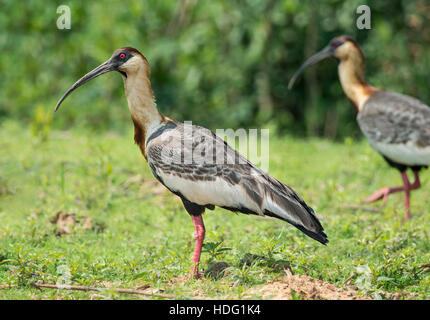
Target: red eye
x,y
122,56
336,44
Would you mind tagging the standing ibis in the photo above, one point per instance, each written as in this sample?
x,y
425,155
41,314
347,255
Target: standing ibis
x,y
195,164
396,125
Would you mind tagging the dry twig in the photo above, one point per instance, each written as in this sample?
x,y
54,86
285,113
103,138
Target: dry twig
x,y
6,286
362,208
83,288
348,280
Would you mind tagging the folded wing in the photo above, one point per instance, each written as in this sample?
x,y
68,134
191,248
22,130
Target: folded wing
x,y
205,171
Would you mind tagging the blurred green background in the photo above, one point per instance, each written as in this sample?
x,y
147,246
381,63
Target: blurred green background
x,y
219,63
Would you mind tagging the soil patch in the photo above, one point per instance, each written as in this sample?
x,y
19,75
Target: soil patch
x,y
304,287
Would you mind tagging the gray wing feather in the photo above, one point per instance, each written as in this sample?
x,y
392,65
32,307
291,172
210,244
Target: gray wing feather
x,y
199,155
393,118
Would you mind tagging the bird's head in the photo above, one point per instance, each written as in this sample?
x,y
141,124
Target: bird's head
x,y
127,61
342,48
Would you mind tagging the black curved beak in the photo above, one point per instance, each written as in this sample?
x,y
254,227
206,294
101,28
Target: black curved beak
x,y
103,68
323,54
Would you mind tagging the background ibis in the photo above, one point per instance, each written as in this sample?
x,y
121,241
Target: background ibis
x,y
396,125
195,164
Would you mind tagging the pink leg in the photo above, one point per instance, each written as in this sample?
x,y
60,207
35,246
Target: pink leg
x,y
200,235
407,187
417,182
382,193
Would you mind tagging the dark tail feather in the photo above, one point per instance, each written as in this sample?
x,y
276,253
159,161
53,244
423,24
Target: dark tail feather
x,y
290,207
319,236
277,200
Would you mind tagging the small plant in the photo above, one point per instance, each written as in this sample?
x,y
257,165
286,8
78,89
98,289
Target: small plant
x,y
41,123
215,250
23,267
295,295
5,187
246,274
271,246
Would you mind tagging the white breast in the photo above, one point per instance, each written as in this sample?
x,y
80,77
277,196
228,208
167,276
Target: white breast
x,y
218,192
408,154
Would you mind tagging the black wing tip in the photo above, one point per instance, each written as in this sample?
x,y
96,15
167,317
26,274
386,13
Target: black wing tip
x,y
321,237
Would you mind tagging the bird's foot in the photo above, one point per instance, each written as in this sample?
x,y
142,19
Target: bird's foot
x,y
406,188
194,273
382,194
195,276
407,214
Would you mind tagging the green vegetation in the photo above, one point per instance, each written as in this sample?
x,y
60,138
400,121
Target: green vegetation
x,y
221,64
142,235
215,62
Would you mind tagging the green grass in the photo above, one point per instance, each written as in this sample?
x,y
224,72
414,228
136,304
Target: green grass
x,y
147,238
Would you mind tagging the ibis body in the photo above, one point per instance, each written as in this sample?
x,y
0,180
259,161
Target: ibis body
x,y
396,125
195,164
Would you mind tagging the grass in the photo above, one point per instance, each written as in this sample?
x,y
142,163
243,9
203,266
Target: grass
x,y
146,237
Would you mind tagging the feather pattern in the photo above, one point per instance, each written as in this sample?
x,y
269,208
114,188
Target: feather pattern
x,y
201,168
397,126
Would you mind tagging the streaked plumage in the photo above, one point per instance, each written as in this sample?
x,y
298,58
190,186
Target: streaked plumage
x,y
198,166
396,125
217,175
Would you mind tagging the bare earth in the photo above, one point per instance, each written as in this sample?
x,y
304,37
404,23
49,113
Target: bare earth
x,y
304,287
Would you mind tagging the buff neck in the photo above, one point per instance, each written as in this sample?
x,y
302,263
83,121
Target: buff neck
x,y
351,75
141,103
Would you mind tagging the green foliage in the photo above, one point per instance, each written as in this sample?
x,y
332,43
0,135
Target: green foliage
x,y
143,237
214,249
41,124
218,63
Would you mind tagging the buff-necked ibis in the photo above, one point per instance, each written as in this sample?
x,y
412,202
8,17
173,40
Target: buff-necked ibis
x,y
195,164
396,125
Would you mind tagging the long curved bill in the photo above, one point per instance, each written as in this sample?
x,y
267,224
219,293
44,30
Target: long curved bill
x,y
323,54
103,68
